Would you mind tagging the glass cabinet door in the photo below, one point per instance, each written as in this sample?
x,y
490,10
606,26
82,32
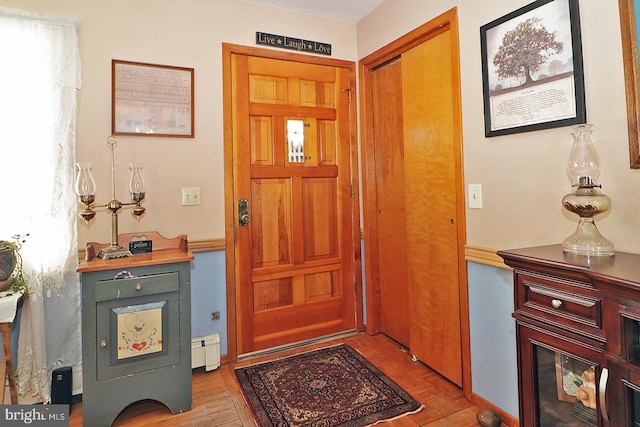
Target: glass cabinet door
x,y
633,401
623,396
559,379
566,390
631,355
623,387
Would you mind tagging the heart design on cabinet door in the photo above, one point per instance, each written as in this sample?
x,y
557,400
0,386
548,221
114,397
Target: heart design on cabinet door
x,y
139,345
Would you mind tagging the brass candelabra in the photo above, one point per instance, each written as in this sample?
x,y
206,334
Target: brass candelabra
x,y
86,191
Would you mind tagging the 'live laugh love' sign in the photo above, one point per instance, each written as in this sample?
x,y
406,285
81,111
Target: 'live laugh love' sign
x,y
291,43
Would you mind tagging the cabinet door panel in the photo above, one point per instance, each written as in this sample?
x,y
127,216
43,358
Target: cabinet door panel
x,y
136,335
623,397
623,386
558,379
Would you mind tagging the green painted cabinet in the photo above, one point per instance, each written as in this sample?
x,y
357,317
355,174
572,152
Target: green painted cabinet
x,y
136,333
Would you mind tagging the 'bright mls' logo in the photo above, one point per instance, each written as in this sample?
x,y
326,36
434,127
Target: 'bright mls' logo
x,y
36,415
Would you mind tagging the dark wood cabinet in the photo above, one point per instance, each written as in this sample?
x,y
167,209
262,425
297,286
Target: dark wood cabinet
x,y
578,332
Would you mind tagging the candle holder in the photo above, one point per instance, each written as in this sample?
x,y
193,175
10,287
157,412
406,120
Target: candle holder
x,y
86,191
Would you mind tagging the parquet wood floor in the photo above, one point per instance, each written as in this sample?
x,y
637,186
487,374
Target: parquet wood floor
x,y
217,400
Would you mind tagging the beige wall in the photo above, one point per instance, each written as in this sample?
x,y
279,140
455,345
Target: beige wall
x,y
523,176
186,33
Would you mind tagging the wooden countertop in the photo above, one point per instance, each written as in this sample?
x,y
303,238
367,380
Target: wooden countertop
x,y
165,256
622,268
165,251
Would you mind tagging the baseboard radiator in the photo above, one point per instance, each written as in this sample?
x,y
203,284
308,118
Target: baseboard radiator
x,y
205,351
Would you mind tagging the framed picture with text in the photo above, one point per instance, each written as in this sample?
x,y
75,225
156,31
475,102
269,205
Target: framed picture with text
x,y
532,69
151,100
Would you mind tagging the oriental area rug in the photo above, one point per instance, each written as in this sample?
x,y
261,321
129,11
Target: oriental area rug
x,y
334,386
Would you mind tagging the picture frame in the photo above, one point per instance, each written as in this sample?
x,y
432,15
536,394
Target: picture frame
x,y
544,89
151,100
629,37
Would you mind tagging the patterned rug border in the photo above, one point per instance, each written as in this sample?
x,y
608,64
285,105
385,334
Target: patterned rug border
x,y
411,404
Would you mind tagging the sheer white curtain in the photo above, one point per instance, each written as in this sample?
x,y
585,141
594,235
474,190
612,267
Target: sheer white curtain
x,y
39,76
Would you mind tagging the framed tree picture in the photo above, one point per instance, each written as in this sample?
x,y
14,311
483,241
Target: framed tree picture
x,y
532,69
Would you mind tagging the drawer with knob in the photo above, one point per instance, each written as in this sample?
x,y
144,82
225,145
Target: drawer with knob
x,y
127,286
564,303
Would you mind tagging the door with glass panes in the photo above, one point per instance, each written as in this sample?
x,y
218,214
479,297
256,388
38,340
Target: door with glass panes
x,y
293,185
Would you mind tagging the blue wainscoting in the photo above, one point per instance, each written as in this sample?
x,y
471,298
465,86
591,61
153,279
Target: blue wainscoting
x,y
494,366
209,294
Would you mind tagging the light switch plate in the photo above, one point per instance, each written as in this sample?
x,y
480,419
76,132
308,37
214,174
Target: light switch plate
x,y
475,196
191,196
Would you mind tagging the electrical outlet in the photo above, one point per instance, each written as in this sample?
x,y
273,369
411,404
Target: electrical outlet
x,y
191,196
475,196
215,315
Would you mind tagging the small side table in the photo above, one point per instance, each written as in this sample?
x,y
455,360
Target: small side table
x,y
8,309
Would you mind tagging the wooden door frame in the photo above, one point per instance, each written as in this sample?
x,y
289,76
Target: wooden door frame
x,y
231,178
446,21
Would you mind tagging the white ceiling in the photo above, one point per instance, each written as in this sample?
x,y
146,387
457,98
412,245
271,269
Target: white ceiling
x,y
344,10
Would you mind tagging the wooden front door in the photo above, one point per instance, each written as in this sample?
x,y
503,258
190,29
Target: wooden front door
x,y
293,199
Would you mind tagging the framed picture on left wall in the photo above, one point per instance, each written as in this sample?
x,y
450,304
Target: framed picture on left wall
x,y
532,71
151,100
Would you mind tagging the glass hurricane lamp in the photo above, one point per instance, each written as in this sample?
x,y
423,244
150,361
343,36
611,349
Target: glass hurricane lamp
x,y
583,171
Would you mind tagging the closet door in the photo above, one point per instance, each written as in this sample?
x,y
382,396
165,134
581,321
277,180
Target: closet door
x,y
430,203
392,240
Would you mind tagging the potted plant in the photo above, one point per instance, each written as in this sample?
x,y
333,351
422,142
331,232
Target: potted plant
x,y
11,274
